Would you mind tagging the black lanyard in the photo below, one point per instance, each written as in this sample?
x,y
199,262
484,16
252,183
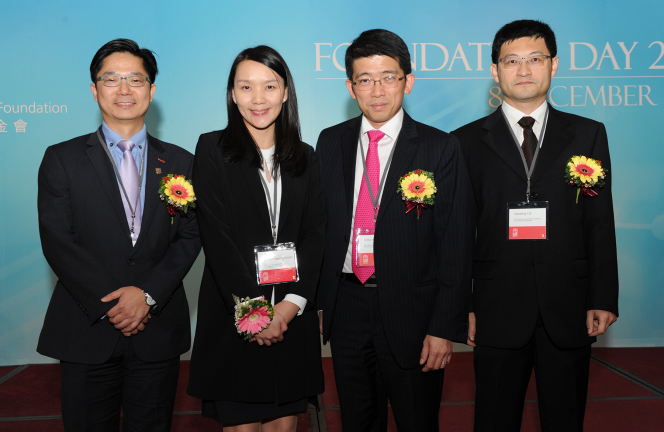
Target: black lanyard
x,y
133,208
375,201
529,171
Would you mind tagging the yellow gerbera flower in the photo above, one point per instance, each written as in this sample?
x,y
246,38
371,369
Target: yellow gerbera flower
x,y
585,169
179,191
417,186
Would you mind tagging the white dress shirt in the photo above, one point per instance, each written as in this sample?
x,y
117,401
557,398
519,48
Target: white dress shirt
x,y
268,154
513,116
385,145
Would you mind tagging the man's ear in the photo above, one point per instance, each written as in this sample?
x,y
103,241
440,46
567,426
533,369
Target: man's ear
x,y
349,86
494,72
93,87
410,81
554,66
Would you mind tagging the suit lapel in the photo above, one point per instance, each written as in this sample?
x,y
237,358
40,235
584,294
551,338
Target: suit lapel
x,y
349,155
406,146
499,139
556,139
155,152
288,185
256,191
104,169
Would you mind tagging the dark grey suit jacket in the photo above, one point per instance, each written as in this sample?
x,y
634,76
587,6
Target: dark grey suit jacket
x,y
86,241
422,266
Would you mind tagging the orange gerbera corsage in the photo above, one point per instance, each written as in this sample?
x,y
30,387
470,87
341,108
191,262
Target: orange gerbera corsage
x,y
177,193
584,173
418,190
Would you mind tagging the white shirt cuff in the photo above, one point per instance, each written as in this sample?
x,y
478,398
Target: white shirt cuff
x,y
299,301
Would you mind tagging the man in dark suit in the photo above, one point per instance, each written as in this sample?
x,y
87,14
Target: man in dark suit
x,y
391,324
118,319
536,302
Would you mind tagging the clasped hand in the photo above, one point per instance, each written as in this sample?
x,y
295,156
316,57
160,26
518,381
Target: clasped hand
x,y
131,313
284,312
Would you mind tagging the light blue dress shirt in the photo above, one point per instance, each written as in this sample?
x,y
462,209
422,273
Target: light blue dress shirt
x,y
140,141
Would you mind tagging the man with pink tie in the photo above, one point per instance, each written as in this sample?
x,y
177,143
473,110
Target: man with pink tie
x,y
395,283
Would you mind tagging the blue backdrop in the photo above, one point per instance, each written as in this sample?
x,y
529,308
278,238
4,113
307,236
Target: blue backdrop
x,y
611,69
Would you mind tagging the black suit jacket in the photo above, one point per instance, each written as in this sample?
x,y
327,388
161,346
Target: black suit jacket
x,y
234,218
86,241
422,266
575,270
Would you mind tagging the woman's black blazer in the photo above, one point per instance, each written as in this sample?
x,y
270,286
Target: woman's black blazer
x,y
233,218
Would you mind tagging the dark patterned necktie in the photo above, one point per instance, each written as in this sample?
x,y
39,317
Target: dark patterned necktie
x,y
529,139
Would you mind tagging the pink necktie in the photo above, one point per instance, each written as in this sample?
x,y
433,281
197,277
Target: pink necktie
x,y
364,212
130,179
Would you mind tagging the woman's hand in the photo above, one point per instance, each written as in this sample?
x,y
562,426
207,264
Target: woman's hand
x,y
284,312
287,310
275,333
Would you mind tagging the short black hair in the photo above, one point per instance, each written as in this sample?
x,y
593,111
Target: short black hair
x,y
236,140
128,46
378,42
520,29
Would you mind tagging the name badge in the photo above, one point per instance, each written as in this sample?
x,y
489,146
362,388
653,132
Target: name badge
x,y
527,221
365,251
276,264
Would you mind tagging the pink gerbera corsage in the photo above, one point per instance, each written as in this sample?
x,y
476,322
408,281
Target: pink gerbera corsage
x,y
252,315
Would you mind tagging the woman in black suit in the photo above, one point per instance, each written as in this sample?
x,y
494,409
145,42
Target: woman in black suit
x,y
260,384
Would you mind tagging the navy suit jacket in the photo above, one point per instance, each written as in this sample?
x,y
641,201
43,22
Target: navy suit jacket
x,y
422,266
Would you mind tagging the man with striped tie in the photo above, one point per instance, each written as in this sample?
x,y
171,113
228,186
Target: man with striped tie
x,y
395,283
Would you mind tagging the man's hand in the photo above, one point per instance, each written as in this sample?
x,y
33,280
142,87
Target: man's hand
x,y
320,321
471,329
140,327
273,334
598,321
436,353
131,310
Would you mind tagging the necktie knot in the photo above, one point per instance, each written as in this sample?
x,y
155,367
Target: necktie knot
x,y
526,122
126,145
375,136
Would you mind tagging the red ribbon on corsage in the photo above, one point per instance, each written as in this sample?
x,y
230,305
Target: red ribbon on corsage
x,y
411,205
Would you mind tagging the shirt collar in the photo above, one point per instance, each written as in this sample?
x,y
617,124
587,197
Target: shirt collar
x,y
391,128
112,137
514,115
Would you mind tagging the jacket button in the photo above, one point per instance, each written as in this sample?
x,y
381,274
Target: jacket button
x,y
130,262
346,238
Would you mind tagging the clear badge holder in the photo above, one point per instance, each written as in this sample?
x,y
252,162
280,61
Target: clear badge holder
x,y
276,264
527,220
364,238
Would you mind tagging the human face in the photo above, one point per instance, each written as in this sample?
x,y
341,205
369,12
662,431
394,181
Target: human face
x,y
525,88
379,104
123,107
259,93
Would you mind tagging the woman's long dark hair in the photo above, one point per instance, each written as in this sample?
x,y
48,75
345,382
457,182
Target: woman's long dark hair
x,y
236,139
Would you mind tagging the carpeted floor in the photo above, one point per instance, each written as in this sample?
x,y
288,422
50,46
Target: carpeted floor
x,y
625,394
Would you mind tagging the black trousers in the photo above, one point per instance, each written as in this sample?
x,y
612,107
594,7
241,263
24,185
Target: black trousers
x,y
502,377
366,373
92,395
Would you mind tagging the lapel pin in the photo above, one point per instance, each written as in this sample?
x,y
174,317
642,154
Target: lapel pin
x,y
158,170
161,160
